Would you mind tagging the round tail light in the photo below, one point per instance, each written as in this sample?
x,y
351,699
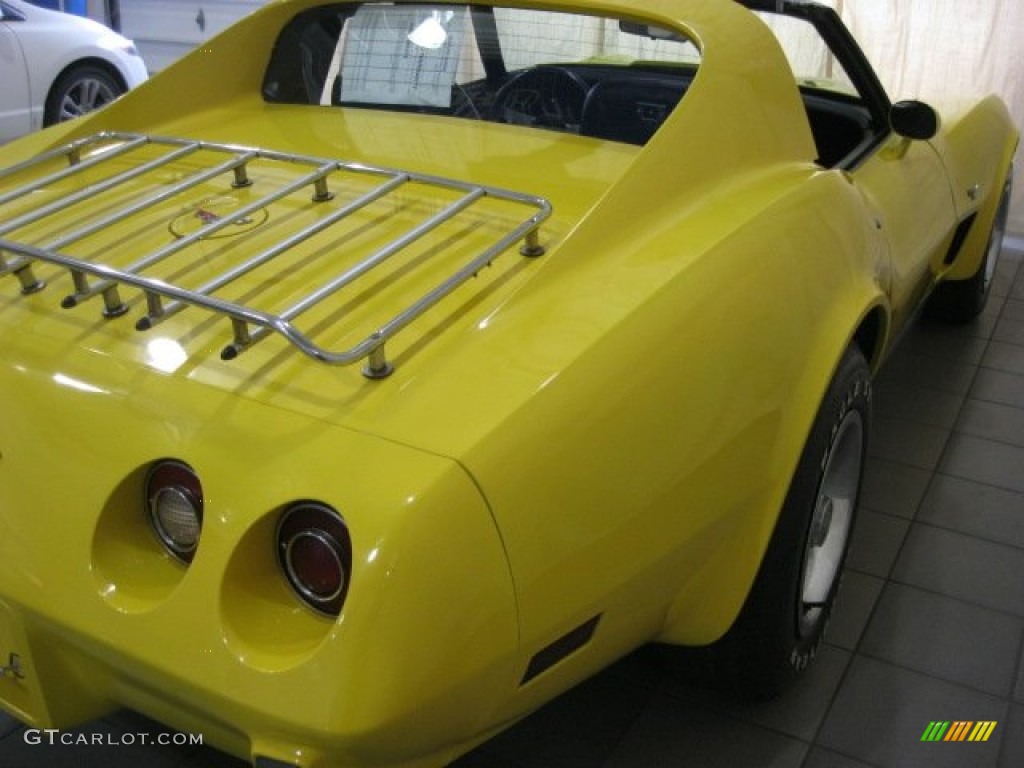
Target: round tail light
x,y
174,502
315,554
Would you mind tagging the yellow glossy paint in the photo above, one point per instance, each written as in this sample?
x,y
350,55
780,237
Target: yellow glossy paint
x,y
606,431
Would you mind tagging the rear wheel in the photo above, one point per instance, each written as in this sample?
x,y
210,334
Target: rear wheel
x,y
80,90
782,621
960,301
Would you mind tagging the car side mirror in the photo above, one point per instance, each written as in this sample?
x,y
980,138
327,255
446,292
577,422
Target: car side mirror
x,y
914,120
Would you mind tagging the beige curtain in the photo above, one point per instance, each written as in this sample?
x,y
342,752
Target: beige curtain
x,y
942,50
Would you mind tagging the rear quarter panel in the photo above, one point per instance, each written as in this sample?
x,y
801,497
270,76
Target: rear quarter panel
x,y
642,481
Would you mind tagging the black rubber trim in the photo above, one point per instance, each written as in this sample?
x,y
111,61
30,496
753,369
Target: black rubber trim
x,y
564,646
962,230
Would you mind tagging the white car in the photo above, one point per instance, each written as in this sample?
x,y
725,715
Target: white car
x,y
56,66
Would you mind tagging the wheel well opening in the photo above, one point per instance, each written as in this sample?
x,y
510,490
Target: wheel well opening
x,y
103,64
50,106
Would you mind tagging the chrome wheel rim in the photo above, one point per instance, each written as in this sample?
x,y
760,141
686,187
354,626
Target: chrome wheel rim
x,y
831,520
84,96
995,245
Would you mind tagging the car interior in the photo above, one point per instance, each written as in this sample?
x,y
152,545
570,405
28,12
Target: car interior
x,y
615,102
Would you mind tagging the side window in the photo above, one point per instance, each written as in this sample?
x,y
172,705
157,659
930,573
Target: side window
x,y
811,60
839,118
532,37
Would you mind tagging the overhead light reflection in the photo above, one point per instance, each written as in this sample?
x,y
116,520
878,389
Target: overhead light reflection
x,y
430,33
166,355
82,386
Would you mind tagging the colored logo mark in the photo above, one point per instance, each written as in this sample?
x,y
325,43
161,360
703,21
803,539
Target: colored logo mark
x,y
958,730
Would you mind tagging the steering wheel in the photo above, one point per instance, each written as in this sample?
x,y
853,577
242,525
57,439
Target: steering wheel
x,y
544,97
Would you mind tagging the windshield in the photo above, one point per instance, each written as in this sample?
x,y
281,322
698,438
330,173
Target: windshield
x,y
600,76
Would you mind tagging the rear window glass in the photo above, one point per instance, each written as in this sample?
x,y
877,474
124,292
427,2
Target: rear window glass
x,y
569,72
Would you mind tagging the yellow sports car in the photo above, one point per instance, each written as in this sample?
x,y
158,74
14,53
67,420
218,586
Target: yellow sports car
x,y
381,370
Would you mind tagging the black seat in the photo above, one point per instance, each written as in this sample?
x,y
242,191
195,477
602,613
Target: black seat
x,y
630,109
839,127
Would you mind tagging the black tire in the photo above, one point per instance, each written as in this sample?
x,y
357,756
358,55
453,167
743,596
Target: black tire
x,y
960,301
783,619
80,90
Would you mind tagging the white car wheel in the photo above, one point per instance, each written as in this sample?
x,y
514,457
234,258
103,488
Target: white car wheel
x,y
79,91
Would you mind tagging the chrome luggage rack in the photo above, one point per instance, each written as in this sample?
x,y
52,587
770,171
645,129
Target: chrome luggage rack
x,y
249,325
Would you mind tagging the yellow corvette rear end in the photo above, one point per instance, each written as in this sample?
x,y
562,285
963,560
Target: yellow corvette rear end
x,y
103,605
189,550
346,419
96,615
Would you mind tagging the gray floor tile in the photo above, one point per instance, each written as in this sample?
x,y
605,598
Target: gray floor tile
x,y
918,404
883,710
1012,753
481,758
984,461
1014,310
908,442
999,387
974,508
928,371
644,668
992,421
824,758
994,307
1004,357
207,757
984,325
1009,331
577,730
798,712
1017,291
945,638
858,593
950,342
876,542
1018,691
893,488
1006,272
683,735
964,567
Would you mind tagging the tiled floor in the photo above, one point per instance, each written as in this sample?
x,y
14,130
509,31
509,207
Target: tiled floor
x,y
929,625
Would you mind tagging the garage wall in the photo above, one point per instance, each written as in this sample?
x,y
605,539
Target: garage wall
x,y
165,30
937,50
